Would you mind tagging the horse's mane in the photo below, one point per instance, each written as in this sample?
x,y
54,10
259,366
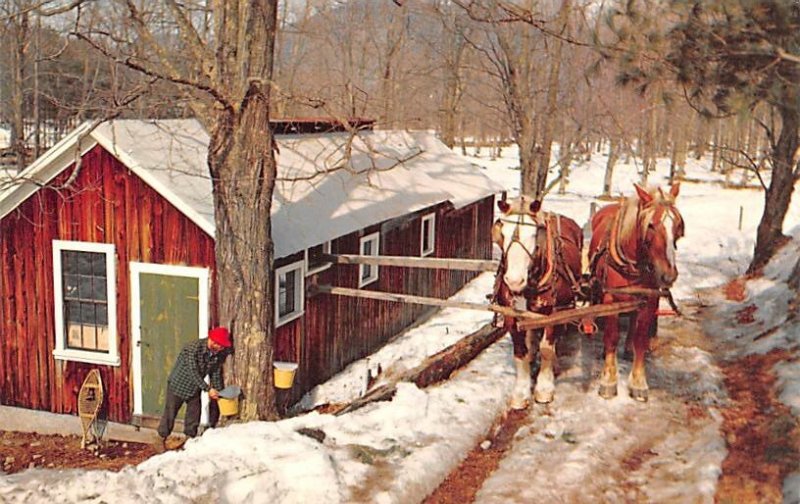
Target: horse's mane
x,y
630,216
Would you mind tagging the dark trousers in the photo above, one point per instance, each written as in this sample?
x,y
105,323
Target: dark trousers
x,y
191,420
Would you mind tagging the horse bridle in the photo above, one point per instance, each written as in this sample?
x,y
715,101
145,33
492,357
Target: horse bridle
x,y
515,235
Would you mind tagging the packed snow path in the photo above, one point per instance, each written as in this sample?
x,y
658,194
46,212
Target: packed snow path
x,y
582,448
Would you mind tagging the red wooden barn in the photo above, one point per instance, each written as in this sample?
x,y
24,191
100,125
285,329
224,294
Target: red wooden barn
x,y
107,254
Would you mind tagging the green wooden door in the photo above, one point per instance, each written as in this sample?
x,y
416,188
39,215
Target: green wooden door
x,y
169,319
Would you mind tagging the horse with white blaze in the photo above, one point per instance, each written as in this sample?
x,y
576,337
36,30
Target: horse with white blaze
x,y
539,272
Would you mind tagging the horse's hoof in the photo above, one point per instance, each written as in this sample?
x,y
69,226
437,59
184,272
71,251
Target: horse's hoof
x,y
519,404
608,391
543,397
639,394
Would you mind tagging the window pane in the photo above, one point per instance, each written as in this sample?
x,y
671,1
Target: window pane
x,y
72,312
70,286
101,311
282,295
87,313
366,272
84,262
89,337
290,291
74,339
367,248
99,265
100,291
102,339
68,262
85,287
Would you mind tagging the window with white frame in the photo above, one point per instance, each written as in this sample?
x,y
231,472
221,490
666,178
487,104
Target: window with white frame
x,y
368,246
428,235
289,296
84,280
314,260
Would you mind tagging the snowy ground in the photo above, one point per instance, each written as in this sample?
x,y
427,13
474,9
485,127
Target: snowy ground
x,y
578,448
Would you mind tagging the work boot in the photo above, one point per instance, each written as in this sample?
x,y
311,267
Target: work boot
x,y
159,445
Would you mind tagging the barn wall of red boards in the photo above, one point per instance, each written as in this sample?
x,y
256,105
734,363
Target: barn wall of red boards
x,y
109,204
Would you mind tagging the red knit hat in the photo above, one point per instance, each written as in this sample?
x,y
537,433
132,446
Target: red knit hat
x,y
220,336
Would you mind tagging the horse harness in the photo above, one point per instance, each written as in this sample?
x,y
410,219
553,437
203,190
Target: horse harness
x,y
552,244
624,265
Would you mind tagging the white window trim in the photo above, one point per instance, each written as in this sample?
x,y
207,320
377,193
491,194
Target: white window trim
x,y
326,249
61,352
374,237
299,293
432,235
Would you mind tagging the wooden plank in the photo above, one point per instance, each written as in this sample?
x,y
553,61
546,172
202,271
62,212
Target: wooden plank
x,y
407,298
414,262
573,314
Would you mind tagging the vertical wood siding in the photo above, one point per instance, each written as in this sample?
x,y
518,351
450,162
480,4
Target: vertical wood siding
x,y
109,204
338,330
106,204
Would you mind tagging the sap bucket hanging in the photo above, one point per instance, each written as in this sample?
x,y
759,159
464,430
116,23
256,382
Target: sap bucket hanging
x,y
228,401
284,374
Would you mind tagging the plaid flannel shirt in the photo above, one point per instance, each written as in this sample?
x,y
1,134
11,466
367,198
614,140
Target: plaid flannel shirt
x,y
195,362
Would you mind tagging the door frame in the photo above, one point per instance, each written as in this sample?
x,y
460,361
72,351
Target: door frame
x,y
136,268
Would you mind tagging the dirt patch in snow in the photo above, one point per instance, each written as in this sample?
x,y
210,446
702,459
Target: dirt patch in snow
x,y
747,314
464,482
735,290
22,450
762,435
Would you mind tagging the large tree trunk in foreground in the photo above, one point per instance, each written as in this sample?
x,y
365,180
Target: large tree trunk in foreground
x,y
779,194
242,167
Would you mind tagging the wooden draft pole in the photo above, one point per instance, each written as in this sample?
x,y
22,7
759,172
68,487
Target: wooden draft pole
x,y
414,262
531,320
585,312
408,298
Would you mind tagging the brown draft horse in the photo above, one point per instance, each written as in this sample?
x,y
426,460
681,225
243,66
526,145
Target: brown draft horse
x,y
540,265
633,246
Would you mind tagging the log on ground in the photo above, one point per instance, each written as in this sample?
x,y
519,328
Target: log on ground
x,y
435,369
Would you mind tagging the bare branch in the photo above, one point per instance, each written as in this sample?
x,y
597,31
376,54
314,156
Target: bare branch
x,y
128,61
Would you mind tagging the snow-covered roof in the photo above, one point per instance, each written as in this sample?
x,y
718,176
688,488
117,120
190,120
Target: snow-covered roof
x,y
328,185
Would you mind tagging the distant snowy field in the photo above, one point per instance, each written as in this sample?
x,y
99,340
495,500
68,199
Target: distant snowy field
x,y
399,451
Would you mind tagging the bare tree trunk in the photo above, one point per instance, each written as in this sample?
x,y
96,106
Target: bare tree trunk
x,y
649,142
454,51
779,193
564,161
613,156
716,151
701,137
394,41
19,60
37,123
678,155
542,158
